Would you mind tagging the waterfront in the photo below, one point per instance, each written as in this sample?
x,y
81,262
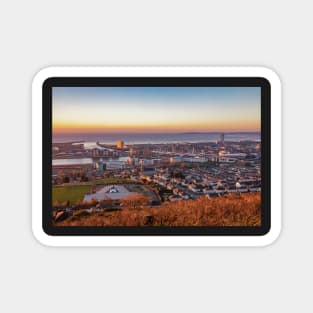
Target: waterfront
x,y
96,176
152,138
81,161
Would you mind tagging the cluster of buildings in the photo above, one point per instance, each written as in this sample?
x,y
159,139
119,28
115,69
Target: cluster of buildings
x,y
179,171
193,182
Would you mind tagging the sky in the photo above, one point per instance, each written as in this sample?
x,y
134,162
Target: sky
x,y
155,109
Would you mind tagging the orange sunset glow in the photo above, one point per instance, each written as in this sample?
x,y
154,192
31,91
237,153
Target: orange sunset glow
x,y
155,109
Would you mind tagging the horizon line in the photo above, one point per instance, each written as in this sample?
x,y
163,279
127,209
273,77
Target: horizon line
x,y
73,131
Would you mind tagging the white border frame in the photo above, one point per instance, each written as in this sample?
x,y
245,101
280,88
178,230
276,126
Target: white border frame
x,y
156,241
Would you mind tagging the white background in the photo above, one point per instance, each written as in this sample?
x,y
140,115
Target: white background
x,y
35,34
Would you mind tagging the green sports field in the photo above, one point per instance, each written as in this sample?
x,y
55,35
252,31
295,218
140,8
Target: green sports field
x,y
71,193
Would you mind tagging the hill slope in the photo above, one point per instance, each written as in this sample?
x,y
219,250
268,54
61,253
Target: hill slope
x,y
230,210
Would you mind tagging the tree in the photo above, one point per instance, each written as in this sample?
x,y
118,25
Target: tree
x,y
107,202
56,204
135,202
93,202
66,203
83,178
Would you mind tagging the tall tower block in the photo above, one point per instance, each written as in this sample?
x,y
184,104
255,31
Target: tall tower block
x,y
222,137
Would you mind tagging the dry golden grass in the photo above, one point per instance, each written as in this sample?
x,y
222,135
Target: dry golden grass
x,y
230,210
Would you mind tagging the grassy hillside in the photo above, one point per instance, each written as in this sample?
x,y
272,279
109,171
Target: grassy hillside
x,y
230,210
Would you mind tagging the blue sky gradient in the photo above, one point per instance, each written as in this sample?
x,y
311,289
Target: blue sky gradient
x,y
157,108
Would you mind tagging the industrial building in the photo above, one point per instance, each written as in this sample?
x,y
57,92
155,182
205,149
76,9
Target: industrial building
x,y
116,165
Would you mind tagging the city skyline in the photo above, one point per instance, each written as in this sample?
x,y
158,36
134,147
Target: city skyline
x,y
156,109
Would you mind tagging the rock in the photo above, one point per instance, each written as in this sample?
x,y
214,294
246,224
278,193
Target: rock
x,y
61,216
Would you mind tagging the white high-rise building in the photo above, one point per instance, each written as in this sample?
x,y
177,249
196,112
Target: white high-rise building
x,y
222,138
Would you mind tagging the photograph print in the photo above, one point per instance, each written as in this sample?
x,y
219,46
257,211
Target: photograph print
x,y
156,156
